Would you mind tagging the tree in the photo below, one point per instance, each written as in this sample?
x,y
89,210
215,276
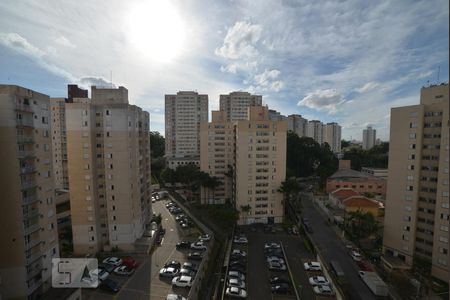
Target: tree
x,y
246,210
363,225
345,144
168,176
157,144
376,157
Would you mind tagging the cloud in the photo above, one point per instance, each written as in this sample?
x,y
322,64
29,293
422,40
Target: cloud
x,y
63,41
19,44
370,86
266,81
87,82
240,41
322,100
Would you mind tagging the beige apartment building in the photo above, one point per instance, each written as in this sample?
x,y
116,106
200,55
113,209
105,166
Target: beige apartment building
x,y
236,104
417,203
316,131
249,157
184,112
369,138
298,125
332,136
27,210
108,151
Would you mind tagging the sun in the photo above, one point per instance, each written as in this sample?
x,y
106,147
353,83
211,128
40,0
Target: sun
x,y
156,30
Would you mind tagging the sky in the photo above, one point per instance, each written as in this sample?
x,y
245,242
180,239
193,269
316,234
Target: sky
x,y
336,61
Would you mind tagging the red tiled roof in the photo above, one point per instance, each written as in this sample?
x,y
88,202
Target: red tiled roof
x,y
360,201
342,194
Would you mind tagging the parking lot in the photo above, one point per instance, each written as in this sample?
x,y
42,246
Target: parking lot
x,y
167,252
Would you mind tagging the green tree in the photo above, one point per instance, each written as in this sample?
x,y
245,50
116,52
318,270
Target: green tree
x,y
363,225
345,144
376,157
168,176
157,144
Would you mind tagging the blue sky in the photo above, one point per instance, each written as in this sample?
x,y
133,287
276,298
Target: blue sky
x,y
342,61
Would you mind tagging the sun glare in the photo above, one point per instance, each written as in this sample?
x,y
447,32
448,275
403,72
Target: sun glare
x,y
156,30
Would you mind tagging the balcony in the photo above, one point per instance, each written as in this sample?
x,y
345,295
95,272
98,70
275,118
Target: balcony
x,y
23,107
29,200
27,170
24,122
32,228
35,270
29,184
32,243
24,139
33,257
25,154
34,285
32,213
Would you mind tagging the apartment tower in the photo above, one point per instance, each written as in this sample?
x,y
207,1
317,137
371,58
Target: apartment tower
x,y
250,157
298,125
236,104
27,210
369,138
417,203
332,136
108,151
184,112
316,131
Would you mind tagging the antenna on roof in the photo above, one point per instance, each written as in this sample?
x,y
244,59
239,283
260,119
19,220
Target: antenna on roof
x,y
439,71
111,79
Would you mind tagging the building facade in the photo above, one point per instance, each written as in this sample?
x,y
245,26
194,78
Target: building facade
x,y
27,210
417,204
184,112
369,138
297,124
236,104
332,136
316,131
108,151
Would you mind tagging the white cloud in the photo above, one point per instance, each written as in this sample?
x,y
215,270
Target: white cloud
x,y
267,81
322,100
240,41
63,41
19,44
370,86
87,82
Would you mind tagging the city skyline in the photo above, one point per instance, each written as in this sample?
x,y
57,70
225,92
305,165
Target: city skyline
x,y
346,62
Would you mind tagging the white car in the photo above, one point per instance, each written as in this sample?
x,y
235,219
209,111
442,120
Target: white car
x,y
276,266
318,280
175,297
99,273
239,252
115,261
182,281
241,240
168,272
275,258
236,274
356,256
198,246
323,290
236,283
272,246
236,292
124,270
204,238
312,266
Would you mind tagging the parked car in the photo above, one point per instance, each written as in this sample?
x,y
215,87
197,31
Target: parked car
x,y
180,217
195,256
173,264
115,261
274,252
274,258
198,246
204,238
110,285
183,245
240,240
278,280
237,263
175,297
168,272
236,274
182,281
190,266
312,266
324,290
276,266
129,262
124,271
318,280
107,267
239,268
236,282
187,272
240,259
239,252
101,274
236,292
356,255
169,205
185,224
272,246
281,288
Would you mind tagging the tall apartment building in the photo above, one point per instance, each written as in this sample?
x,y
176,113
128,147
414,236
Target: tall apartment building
x,y
316,131
27,210
297,124
184,112
236,104
417,203
108,151
332,136
256,151
276,115
369,138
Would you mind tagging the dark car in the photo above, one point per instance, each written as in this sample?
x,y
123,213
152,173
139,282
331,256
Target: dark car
x,y
195,256
238,268
278,280
162,231
173,264
281,288
241,260
183,245
110,285
107,267
237,263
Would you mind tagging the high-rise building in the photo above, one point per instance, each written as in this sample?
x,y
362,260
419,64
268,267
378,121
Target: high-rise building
x,y
27,209
249,157
416,223
184,112
298,125
332,136
59,142
108,151
369,138
316,131
276,115
236,104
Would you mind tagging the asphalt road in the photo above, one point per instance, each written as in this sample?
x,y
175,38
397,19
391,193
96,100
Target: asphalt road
x,y
332,248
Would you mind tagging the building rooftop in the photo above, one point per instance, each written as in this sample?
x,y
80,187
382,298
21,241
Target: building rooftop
x,y
361,201
349,173
342,193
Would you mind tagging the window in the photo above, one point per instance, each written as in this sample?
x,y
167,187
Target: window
x,y
409,177
412,136
408,198
443,239
412,146
444,228
409,188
